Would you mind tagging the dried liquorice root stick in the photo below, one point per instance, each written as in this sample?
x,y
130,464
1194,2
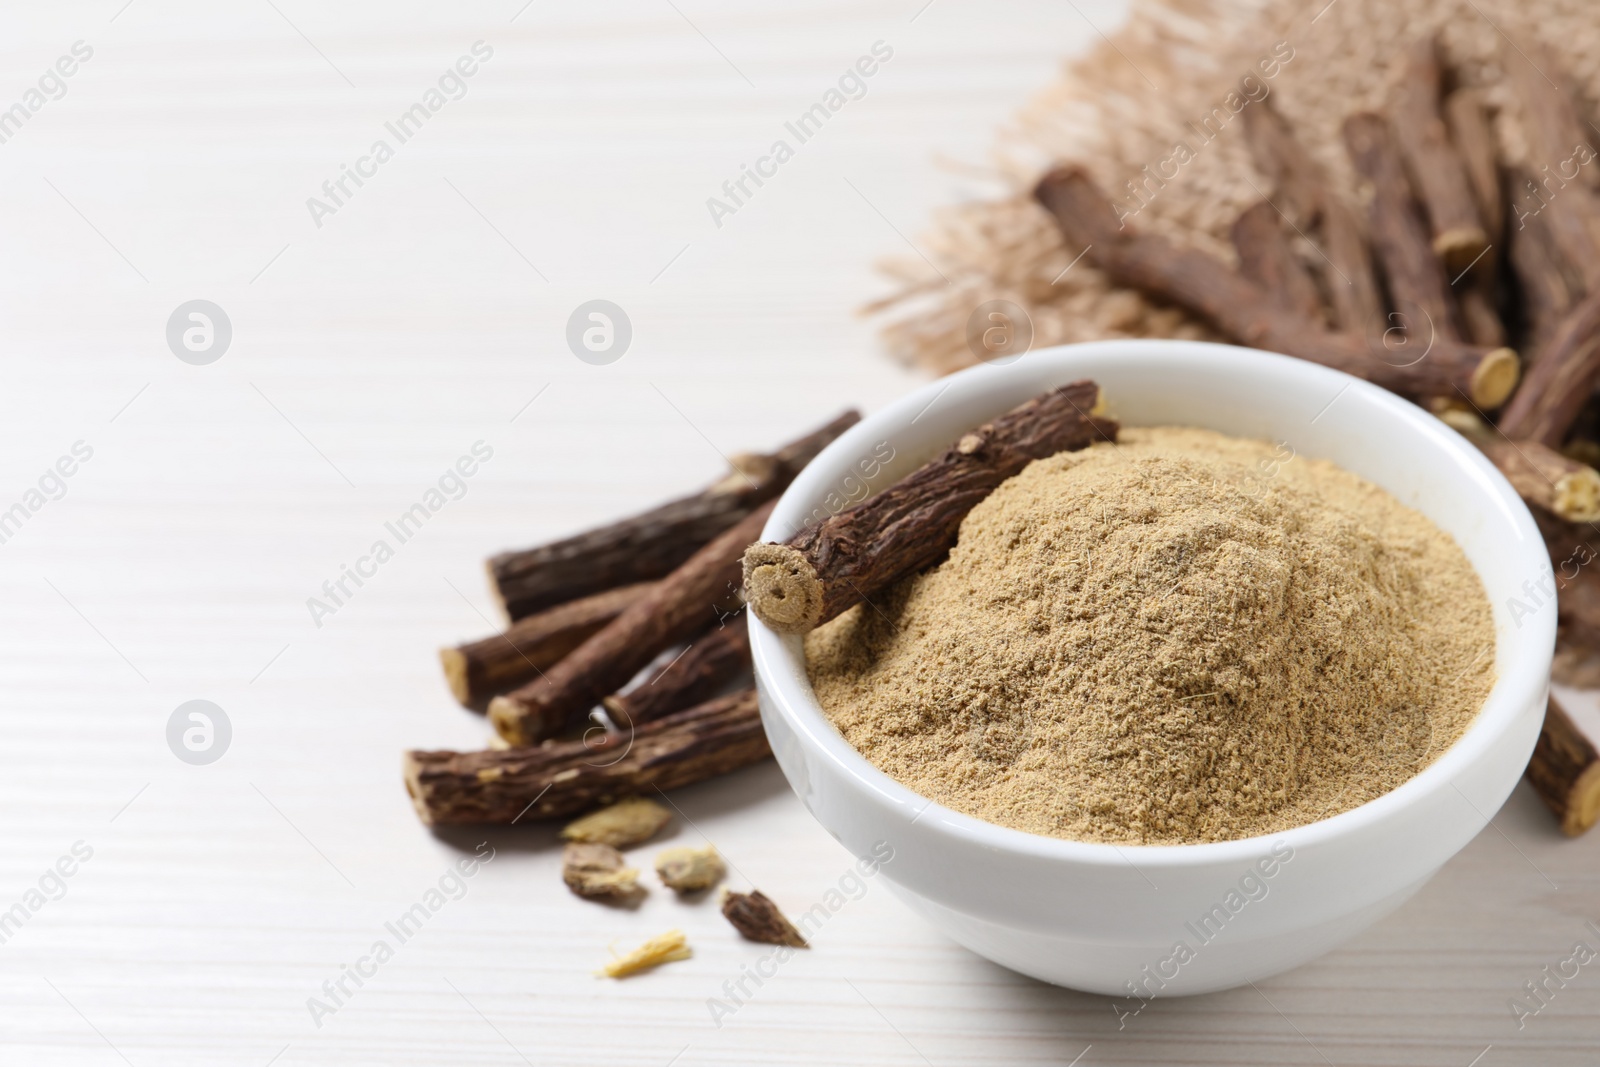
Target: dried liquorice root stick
x,y
1552,113
1547,291
755,916
598,872
1560,381
1568,542
1574,551
650,545
1302,191
1560,158
1436,170
1467,120
1417,283
1205,286
1266,258
1542,476
1565,771
1583,440
1578,601
1466,116
838,562
482,669
566,778
1479,316
715,658
1562,770
679,606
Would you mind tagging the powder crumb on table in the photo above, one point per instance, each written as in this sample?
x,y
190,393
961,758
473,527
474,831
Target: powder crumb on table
x,y
1182,637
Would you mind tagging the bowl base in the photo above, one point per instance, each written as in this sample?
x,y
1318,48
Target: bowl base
x,y
1148,971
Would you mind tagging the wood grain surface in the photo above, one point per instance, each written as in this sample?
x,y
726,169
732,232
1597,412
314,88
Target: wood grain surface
x,y
428,313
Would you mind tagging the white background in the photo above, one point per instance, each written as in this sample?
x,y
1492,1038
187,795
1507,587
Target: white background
x,y
368,355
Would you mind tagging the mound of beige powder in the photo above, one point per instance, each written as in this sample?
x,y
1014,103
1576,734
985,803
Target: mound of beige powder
x,y
1182,637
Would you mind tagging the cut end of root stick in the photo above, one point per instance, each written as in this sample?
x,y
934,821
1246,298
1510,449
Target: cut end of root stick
x,y
1460,248
1577,496
495,590
1495,378
749,469
506,715
411,774
1583,806
782,588
455,674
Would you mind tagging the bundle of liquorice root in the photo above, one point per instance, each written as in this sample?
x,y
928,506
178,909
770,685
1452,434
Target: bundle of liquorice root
x,y
593,612
586,615
1455,256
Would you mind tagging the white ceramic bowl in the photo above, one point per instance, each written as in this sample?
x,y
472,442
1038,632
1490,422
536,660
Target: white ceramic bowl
x,y
1146,921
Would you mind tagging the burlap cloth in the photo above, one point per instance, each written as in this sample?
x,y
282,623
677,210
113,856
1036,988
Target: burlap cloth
x,y
1128,102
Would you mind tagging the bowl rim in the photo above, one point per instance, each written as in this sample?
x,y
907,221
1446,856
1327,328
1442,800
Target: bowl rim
x,y
1507,700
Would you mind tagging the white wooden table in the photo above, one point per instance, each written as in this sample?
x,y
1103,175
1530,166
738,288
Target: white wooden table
x,y
425,314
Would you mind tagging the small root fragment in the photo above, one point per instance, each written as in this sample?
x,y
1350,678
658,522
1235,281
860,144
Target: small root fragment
x,y
670,946
598,872
625,823
689,870
755,916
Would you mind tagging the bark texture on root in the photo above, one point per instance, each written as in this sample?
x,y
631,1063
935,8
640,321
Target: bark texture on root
x,y
1546,289
1467,118
1574,552
1436,169
1558,140
1479,316
1204,285
844,559
713,660
1545,478
757,918
482,669
1301,189
1560,381
1267,258
652,544
566,778
679,606
1417,282
1565,771
1467,122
